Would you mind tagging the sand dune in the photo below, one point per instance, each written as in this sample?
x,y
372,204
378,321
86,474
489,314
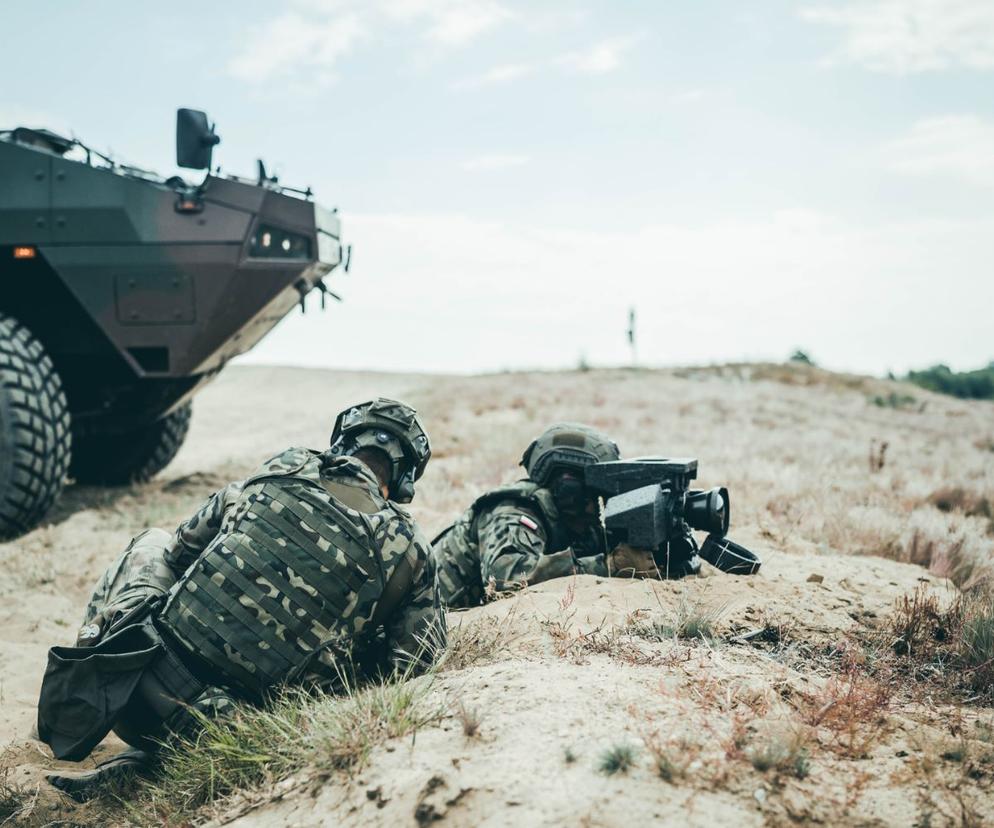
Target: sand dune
x,y
580,670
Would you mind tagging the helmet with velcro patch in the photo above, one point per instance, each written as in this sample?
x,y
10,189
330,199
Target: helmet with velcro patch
x,y
566,446
393,428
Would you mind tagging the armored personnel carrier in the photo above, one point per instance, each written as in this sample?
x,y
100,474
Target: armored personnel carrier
x,y
122,294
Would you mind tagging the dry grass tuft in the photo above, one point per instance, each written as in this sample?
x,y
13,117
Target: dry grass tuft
x,y
480,641
783,749
470,718
958,499
951,648
878,455
16,801
614,642
851,708
918,624
671,757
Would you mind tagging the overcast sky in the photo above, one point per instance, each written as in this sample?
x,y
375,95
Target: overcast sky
x,y
751,176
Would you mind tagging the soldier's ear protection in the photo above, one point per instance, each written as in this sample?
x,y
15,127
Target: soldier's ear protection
x,y
402,491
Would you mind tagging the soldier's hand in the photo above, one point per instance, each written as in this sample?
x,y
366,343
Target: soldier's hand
x,y
626,561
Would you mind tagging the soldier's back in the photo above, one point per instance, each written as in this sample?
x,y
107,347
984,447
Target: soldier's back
x,y
298,566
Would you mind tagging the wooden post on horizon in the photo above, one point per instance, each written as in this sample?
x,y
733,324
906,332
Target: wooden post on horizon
x,y
631,336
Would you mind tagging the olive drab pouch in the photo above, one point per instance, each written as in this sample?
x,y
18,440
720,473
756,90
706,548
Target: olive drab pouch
x,y
85,688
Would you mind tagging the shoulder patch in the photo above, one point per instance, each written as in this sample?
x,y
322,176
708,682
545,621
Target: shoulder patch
x,y
528,523
355,497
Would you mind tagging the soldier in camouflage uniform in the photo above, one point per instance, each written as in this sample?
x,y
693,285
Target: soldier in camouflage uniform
x,y
547,526
308,572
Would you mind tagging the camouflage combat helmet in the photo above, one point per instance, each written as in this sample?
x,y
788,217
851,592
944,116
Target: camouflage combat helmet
x,y
566,446
393,428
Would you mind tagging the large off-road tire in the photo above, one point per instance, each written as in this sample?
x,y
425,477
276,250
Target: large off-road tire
x,y
116,458
34,430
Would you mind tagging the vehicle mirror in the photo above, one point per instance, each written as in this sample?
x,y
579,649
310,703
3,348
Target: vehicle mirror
x,y
195,139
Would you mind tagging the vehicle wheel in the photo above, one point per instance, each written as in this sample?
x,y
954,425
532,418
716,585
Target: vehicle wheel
x,y
34,430
116,458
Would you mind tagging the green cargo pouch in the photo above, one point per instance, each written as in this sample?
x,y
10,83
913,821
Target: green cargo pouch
x,y
85,688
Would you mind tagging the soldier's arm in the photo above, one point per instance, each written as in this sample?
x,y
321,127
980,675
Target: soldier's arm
x,y
514,549
416,631
195,534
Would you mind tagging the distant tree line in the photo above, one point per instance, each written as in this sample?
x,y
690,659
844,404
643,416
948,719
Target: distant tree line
x,y
971,385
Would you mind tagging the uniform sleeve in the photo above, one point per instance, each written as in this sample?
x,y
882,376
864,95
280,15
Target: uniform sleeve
x,y
513,549
195,534
416,631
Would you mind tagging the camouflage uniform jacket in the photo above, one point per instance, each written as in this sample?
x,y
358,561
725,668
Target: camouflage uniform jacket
x,y
509,538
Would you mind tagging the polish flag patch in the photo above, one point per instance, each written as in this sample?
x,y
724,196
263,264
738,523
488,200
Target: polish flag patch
x,y
529,523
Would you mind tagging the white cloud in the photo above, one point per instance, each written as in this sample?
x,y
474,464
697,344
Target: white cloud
x,y
293,42
905,36
689,96
505,73
600,58
457,23
487,163
316,34
953,145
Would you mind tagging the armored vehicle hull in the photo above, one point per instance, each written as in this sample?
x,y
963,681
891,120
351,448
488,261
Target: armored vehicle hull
x,y
121,295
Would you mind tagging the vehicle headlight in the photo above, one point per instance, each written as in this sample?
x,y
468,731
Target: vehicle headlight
x,y
270,242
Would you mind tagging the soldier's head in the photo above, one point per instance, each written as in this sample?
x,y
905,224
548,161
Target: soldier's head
x,y
555,460
388,436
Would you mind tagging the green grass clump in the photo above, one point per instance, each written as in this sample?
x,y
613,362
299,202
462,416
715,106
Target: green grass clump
x,y
976,640
667,769
693,621
617,759
696,621
256,747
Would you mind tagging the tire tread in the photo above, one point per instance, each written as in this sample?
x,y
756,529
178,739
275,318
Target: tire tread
x,y
37,433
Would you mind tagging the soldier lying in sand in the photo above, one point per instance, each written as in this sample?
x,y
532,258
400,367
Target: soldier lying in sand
x,y
301,574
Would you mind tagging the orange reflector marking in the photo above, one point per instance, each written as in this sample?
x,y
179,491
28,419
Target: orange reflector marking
x,y
25,252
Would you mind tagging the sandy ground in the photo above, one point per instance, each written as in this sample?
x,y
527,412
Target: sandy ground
x,y
537,706
794,452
